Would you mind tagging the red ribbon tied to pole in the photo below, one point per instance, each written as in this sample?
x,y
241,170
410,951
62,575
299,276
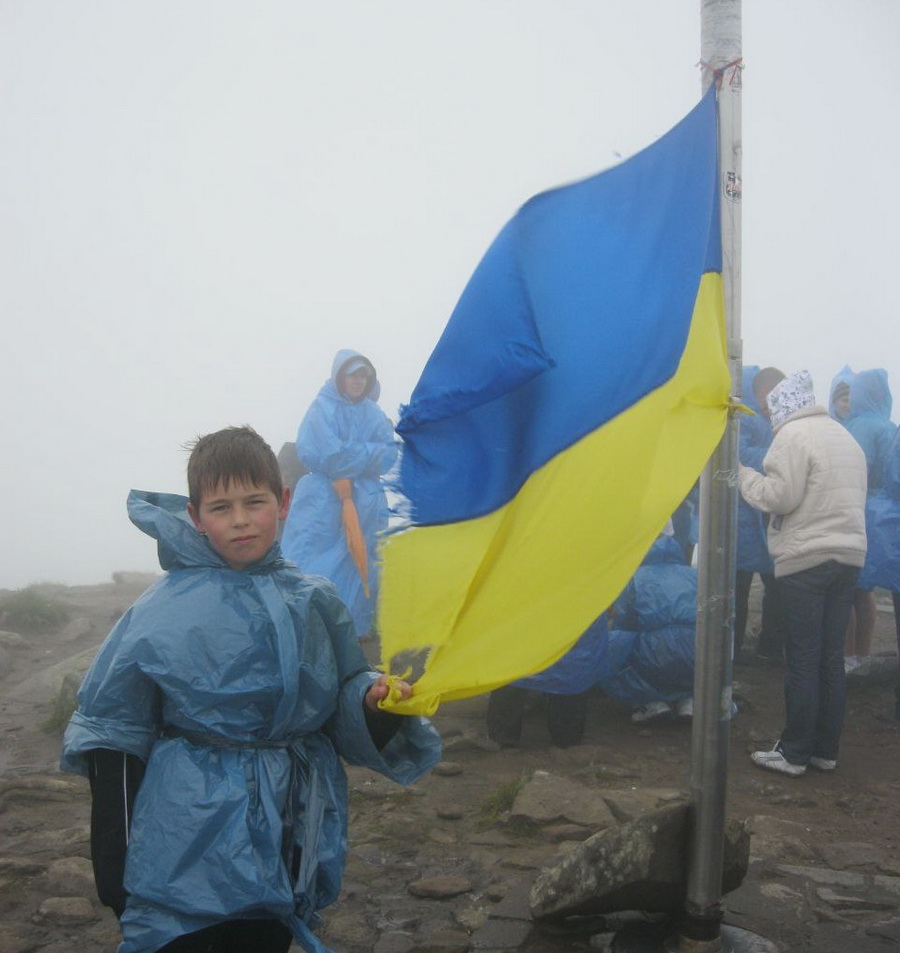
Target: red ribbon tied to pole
x,y
356,543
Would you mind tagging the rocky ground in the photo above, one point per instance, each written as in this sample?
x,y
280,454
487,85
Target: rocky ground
x,y
446,866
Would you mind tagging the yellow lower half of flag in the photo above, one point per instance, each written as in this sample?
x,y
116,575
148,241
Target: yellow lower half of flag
x,y
471,606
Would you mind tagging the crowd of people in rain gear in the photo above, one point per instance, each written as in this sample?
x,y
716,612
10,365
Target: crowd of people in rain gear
x,y
640,651
212,722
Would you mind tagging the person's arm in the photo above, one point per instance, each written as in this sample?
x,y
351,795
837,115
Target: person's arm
x,y
321,448
115,778
382,725
783,486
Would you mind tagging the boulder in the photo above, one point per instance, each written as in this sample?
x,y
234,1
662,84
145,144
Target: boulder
x,y
641,865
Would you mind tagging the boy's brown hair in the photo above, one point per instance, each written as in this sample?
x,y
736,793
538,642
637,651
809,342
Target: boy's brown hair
x,y
232,455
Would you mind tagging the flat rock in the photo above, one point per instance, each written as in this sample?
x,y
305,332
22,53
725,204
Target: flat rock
x,y
775,838
40,788
21,866
628,803
844,854
444,941
439,888
848,902
824,875
567,832
69,910
499,934
394,942
889,929
548,799
11,942
71,877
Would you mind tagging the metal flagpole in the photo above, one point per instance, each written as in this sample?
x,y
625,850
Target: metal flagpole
x,y
700,925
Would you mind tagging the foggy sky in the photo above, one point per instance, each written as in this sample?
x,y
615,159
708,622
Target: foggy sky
x,y
202,202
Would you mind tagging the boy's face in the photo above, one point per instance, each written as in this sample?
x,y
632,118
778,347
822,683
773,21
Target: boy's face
x,y
355,384
241,522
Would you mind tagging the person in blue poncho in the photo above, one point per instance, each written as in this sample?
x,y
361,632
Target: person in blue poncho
x,y
212,722
346,442
752,547
562,690
870,423
839,399
649,660
882,566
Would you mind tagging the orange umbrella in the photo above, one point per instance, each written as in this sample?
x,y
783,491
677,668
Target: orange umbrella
x,y
356,542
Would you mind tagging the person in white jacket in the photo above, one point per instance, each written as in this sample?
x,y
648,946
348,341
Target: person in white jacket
x,y
814,487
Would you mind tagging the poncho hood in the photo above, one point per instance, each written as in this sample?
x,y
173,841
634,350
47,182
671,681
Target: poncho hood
x,y
843,378
164,517
748,395
870,394
343,358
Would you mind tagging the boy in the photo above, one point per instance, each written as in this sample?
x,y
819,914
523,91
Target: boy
x,y
228,691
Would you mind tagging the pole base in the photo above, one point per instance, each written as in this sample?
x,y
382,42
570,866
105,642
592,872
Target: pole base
x,y
650,937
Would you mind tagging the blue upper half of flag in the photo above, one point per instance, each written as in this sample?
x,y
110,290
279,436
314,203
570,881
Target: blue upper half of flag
x,y
580,307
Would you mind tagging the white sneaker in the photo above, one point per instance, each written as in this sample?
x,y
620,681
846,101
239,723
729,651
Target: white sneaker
x,y
652,711
774,760
822,764
851,662
685,707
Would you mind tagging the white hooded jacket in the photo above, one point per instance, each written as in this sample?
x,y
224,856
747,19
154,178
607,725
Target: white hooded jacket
x,y
814,485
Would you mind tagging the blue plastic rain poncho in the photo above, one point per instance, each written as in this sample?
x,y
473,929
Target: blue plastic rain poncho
x,y
579,669
755,440
843,378
882,566
240,690
870,421
686,522
339,438
650,652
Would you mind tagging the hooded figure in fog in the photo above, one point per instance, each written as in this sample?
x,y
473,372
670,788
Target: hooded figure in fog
x,y
870,421
752,547
839,400
346,442
650,647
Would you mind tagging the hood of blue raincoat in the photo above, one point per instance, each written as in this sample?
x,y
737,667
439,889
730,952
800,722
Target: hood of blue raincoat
x,y
341,360
756,431
164,517
665,549
650,651
844,376
748,397
755,440
870,395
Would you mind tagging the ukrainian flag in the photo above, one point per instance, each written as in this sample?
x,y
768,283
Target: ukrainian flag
x,y
569,406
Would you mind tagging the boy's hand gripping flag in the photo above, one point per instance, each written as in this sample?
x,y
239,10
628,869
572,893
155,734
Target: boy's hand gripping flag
x,y
569,406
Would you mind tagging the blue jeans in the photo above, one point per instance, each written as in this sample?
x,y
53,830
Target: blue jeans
x,y
816,607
